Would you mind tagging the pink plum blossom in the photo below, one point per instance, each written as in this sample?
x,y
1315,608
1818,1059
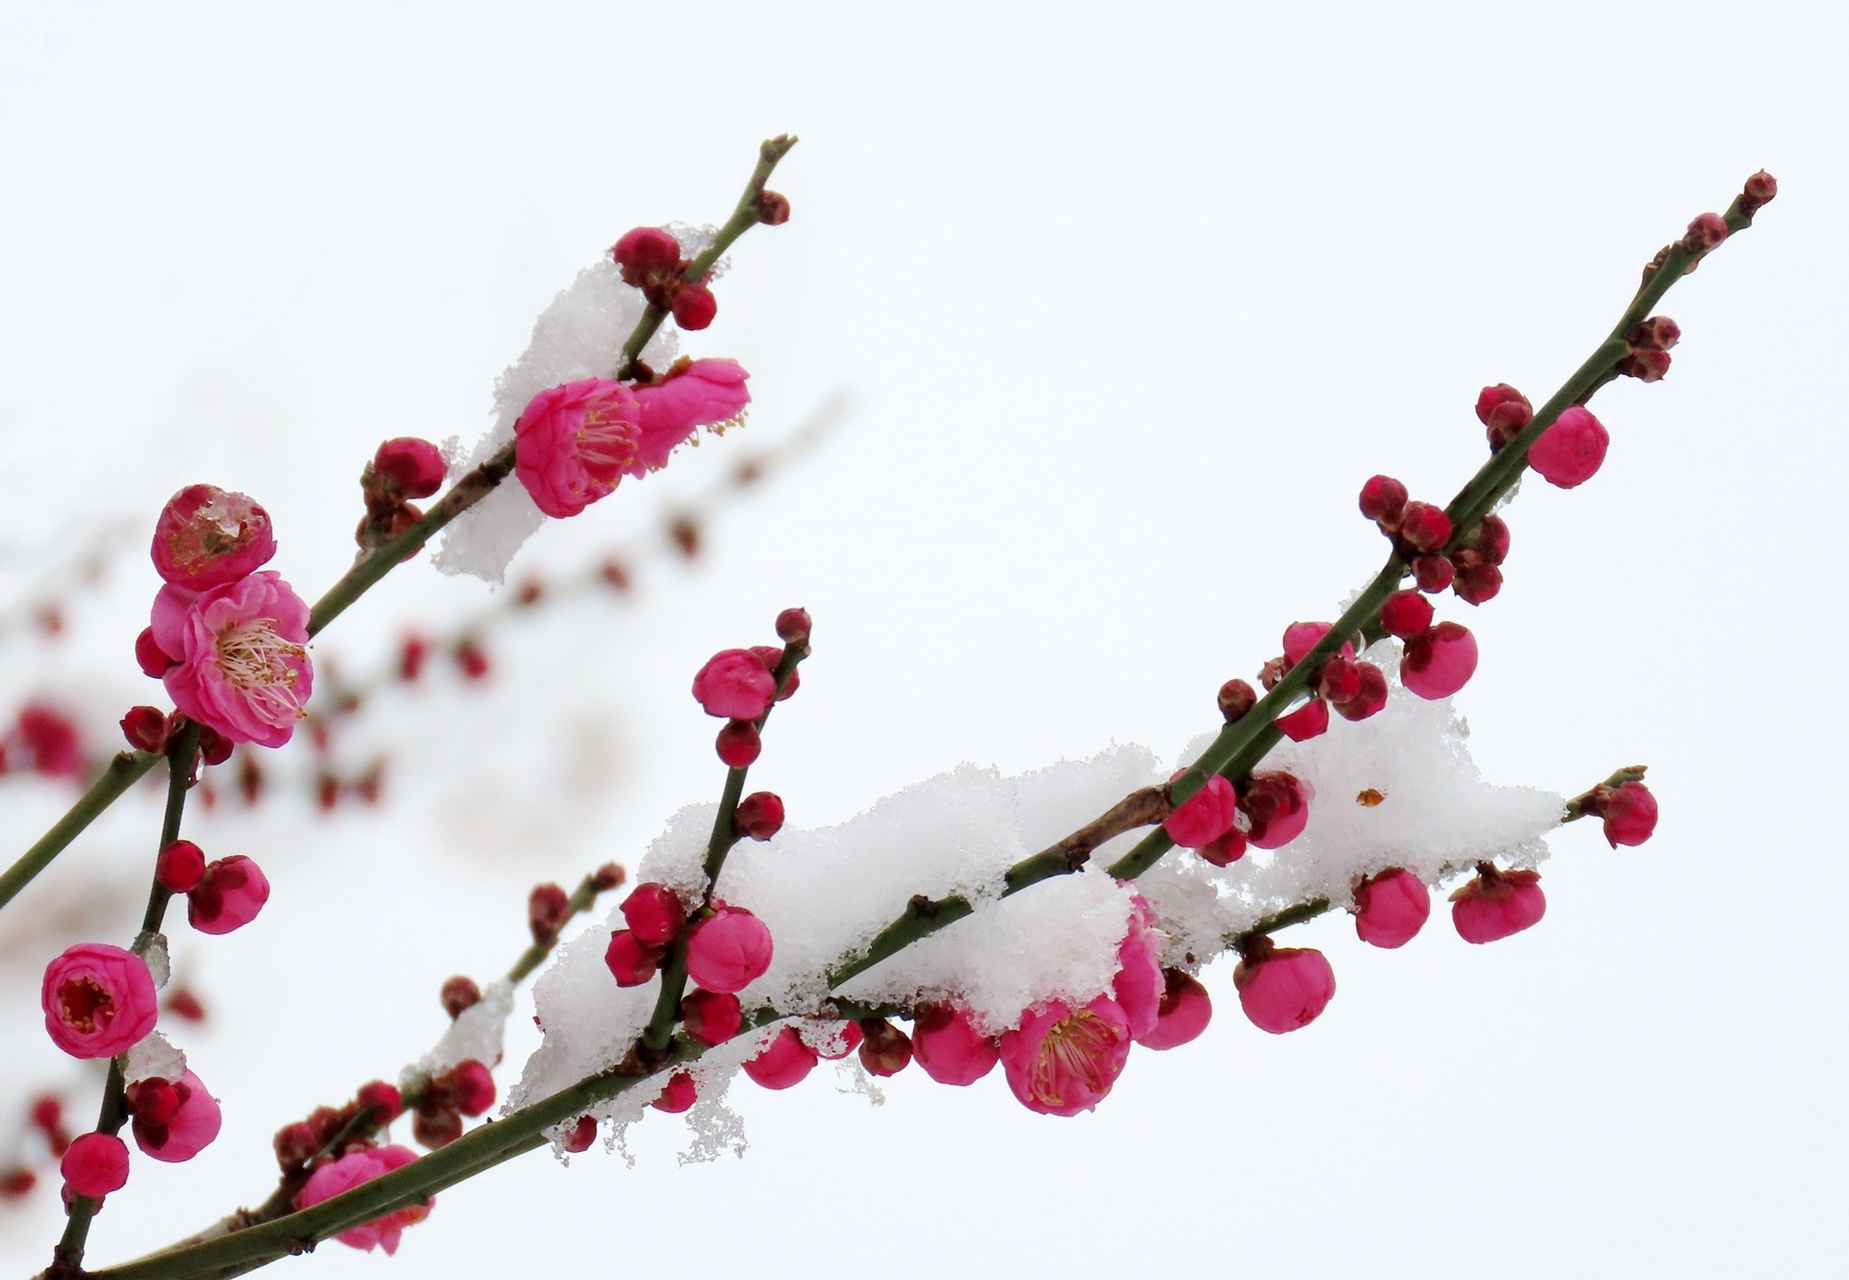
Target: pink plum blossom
x,y
1182,1015
1204,816
206,537
239,663
229,895
949,1048
1570,451
783,1063
98,1000
1284,988
729,950
183,1130
1061,1060
735,684
95,1164
1391,908
1497,904
574,443
1440,661
1138,986
701,393
352,1170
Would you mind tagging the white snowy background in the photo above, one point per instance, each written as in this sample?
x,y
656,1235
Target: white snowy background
x,y
1129,304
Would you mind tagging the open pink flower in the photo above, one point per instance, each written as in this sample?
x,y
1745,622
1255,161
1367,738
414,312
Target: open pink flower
x,y
949,1048
573,444
701,393
1138,985
98,1000
1182,1014
1440,661
783,1063
240,667
228,896
353,1169
206,537
1284,988
1497,904
174,1122
95,1164
729,950
1062,1060
1391,908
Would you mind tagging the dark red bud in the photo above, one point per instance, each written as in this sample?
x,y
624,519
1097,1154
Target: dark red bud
x,y
1236,698
460,993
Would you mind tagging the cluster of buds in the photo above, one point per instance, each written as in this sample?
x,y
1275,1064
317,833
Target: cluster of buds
x,y
466,1089
650,259
1647,345
403,469
740,685
221,895
336,1149
330,1132
1220,820
1355,689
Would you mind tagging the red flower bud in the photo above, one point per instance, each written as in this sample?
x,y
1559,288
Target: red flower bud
x,y
712,1017
1423,527
694,307
180,867
459,993
759,815
1236,698
793,627
1382,500
885,1050
631,961
146,729
654,913
738,744
1405,614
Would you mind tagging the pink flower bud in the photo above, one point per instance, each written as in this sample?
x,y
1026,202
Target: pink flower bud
x,y
547,908
146,727
694,307
1405,614
884,1049
383,1100
1761,188
1284,988
1137,986
1424,527
738,744
1203,816
182,1131
1306,722
150,657
677,1095
1570,451
98,1000
646,249
1391,908
16,1183
783,1063
1062,1060
240,665
1629,812
469,1087
582,1134
631,961
1301,637
1658,333
735,684
436,1126
1339,680
154,1101
229,896
458,994
654,913
711,1017
1705,232
793,627
851,1036
1477,579
573,443
1279,807
1182,1015
1645,366
1236,698
729,950
759,815
1491,539
1225,851
773,208
1432,573
949,1048
1370,698
206,537
1439,662
1382,500
414,467
353,1169
95,1165
180,867
610,875
1497,903
1504,411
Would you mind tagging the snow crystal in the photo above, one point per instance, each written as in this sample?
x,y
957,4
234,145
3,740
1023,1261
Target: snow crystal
x,y
152,948
579,336
153,1057
717,1129
476,1034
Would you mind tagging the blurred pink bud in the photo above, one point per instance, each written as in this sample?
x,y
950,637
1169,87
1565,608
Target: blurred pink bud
x,y
150,657
1496,904
547,909
1137,988
1339,680
646,249
711,1017
677,1095
1629,812
1182,1015
1284,988
1570,451
1433,573
1061,1060
180,867
1658,333
1382,500
793,627
581,1135
1761,188
1203,816
729,950
1705,232
783,1063
184,1131
738,744
1279,806
1504,411
206,537
384,1101
241,667
353,1169
884,1049
1405,614
1424,527
1370,698
95,1164
1440,661
1226,850
1391,908
98,1000
759,815
1477,581
694,307
146,727
469,1087
949,1048
458,994
1645,366
631,961
654,912
1308,721
414,467
573,443
735,684
229,896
